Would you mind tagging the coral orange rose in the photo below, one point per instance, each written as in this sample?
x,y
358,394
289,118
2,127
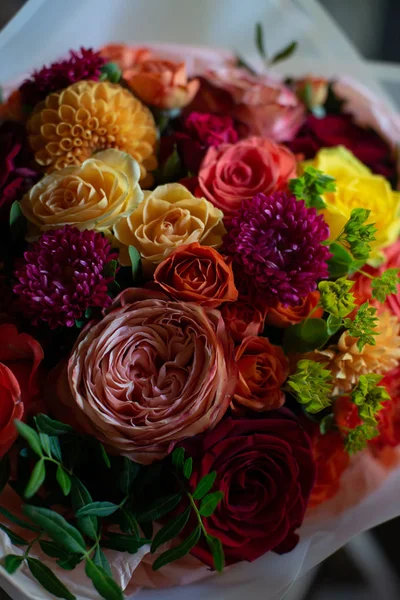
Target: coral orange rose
x,y
331,460
20,356
199,274
161,83
283,316
263,368
232,173
244,318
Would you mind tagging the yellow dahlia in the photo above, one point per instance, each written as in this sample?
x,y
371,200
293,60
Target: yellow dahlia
x,y
70,125
347,362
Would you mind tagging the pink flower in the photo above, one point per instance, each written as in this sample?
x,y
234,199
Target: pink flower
x,y
150,374
265,106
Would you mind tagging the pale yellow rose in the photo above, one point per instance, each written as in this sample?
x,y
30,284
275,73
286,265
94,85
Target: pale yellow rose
x,y
358,187
93,195
168,216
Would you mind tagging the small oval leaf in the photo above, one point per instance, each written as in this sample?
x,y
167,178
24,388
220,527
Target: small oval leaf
x,y
204,485
81,497
179,551
15,539
104,584
97,509
210,503
36,480
30,436
57,528
188,467
48,580
171,529
11,562
64,480
47,425
160,508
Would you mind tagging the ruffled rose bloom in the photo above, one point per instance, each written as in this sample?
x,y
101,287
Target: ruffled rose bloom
x,y
161,83
150,374
266,107
20,356
263,368
266,471
283,316
331,460
198,274
244,318
94,195
232,173
168,217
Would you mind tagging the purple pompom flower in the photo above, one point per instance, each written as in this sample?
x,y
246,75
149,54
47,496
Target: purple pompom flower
x,y
63,275
276,246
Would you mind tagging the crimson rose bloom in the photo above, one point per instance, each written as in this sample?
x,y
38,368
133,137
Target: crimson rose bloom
x,y
341,130
266,471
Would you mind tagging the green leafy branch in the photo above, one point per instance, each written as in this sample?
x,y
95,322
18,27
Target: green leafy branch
x,y
311,385
283,54
311,186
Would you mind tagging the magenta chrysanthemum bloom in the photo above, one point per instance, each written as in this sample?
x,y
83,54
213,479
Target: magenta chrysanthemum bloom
x,y
275,244
63,275
84,64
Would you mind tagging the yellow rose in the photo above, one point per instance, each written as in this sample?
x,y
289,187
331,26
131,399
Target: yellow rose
x,y
358,187
93,195
168,216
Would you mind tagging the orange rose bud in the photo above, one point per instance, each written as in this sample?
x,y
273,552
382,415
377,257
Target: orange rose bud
x,y
198,274
331,460
244,318
263,368
313,91
161,83
283,316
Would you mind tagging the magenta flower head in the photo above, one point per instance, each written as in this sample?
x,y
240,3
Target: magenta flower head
x,y
63,275
276,246
83,64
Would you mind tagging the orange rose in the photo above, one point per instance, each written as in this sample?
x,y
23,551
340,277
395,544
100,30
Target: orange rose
x,y
126,57
161,83
331,460
199,274
244,318
20,356
263,368
283,316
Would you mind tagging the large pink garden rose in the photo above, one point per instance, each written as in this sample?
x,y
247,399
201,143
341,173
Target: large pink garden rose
x,y
151,373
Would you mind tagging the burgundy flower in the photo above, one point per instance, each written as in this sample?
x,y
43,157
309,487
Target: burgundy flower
x,y
16,175
275,244
341,130
63,275
266,472
83,64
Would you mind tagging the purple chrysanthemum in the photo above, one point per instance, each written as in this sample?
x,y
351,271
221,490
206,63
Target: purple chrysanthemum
x,y
84,64
63,275
275,242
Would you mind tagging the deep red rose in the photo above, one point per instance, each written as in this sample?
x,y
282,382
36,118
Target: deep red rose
x,y
266,471
341,130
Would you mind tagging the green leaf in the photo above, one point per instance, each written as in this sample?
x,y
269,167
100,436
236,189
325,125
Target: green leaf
x,y
105,456
368,396
97,509
311,384
178,458
128,523
179,551
311,186
358,438
55,448
171,530
17,222
4,472
64,480
160,507
57,528
386,284
333,324
358,235
30,435
217,552
341,261
204,485
172,167
285,53
306,336
15,539
110,72
209,503
53,550
104,584
48,580
259,41
188,467
241,63
36,479
136,261
122,542
100,560
363,326
70,562
47,425
327,424
81,497
14,519
45,443
11,562
129,473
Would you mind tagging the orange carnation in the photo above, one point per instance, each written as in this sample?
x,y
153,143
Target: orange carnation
x,y
199,274
283,316
161,83
263,368
331,460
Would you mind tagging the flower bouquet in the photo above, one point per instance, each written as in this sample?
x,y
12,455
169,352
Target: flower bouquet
x,y
199,317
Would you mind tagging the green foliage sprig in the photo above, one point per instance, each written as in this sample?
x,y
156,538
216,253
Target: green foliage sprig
x,y
311,186
311,385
